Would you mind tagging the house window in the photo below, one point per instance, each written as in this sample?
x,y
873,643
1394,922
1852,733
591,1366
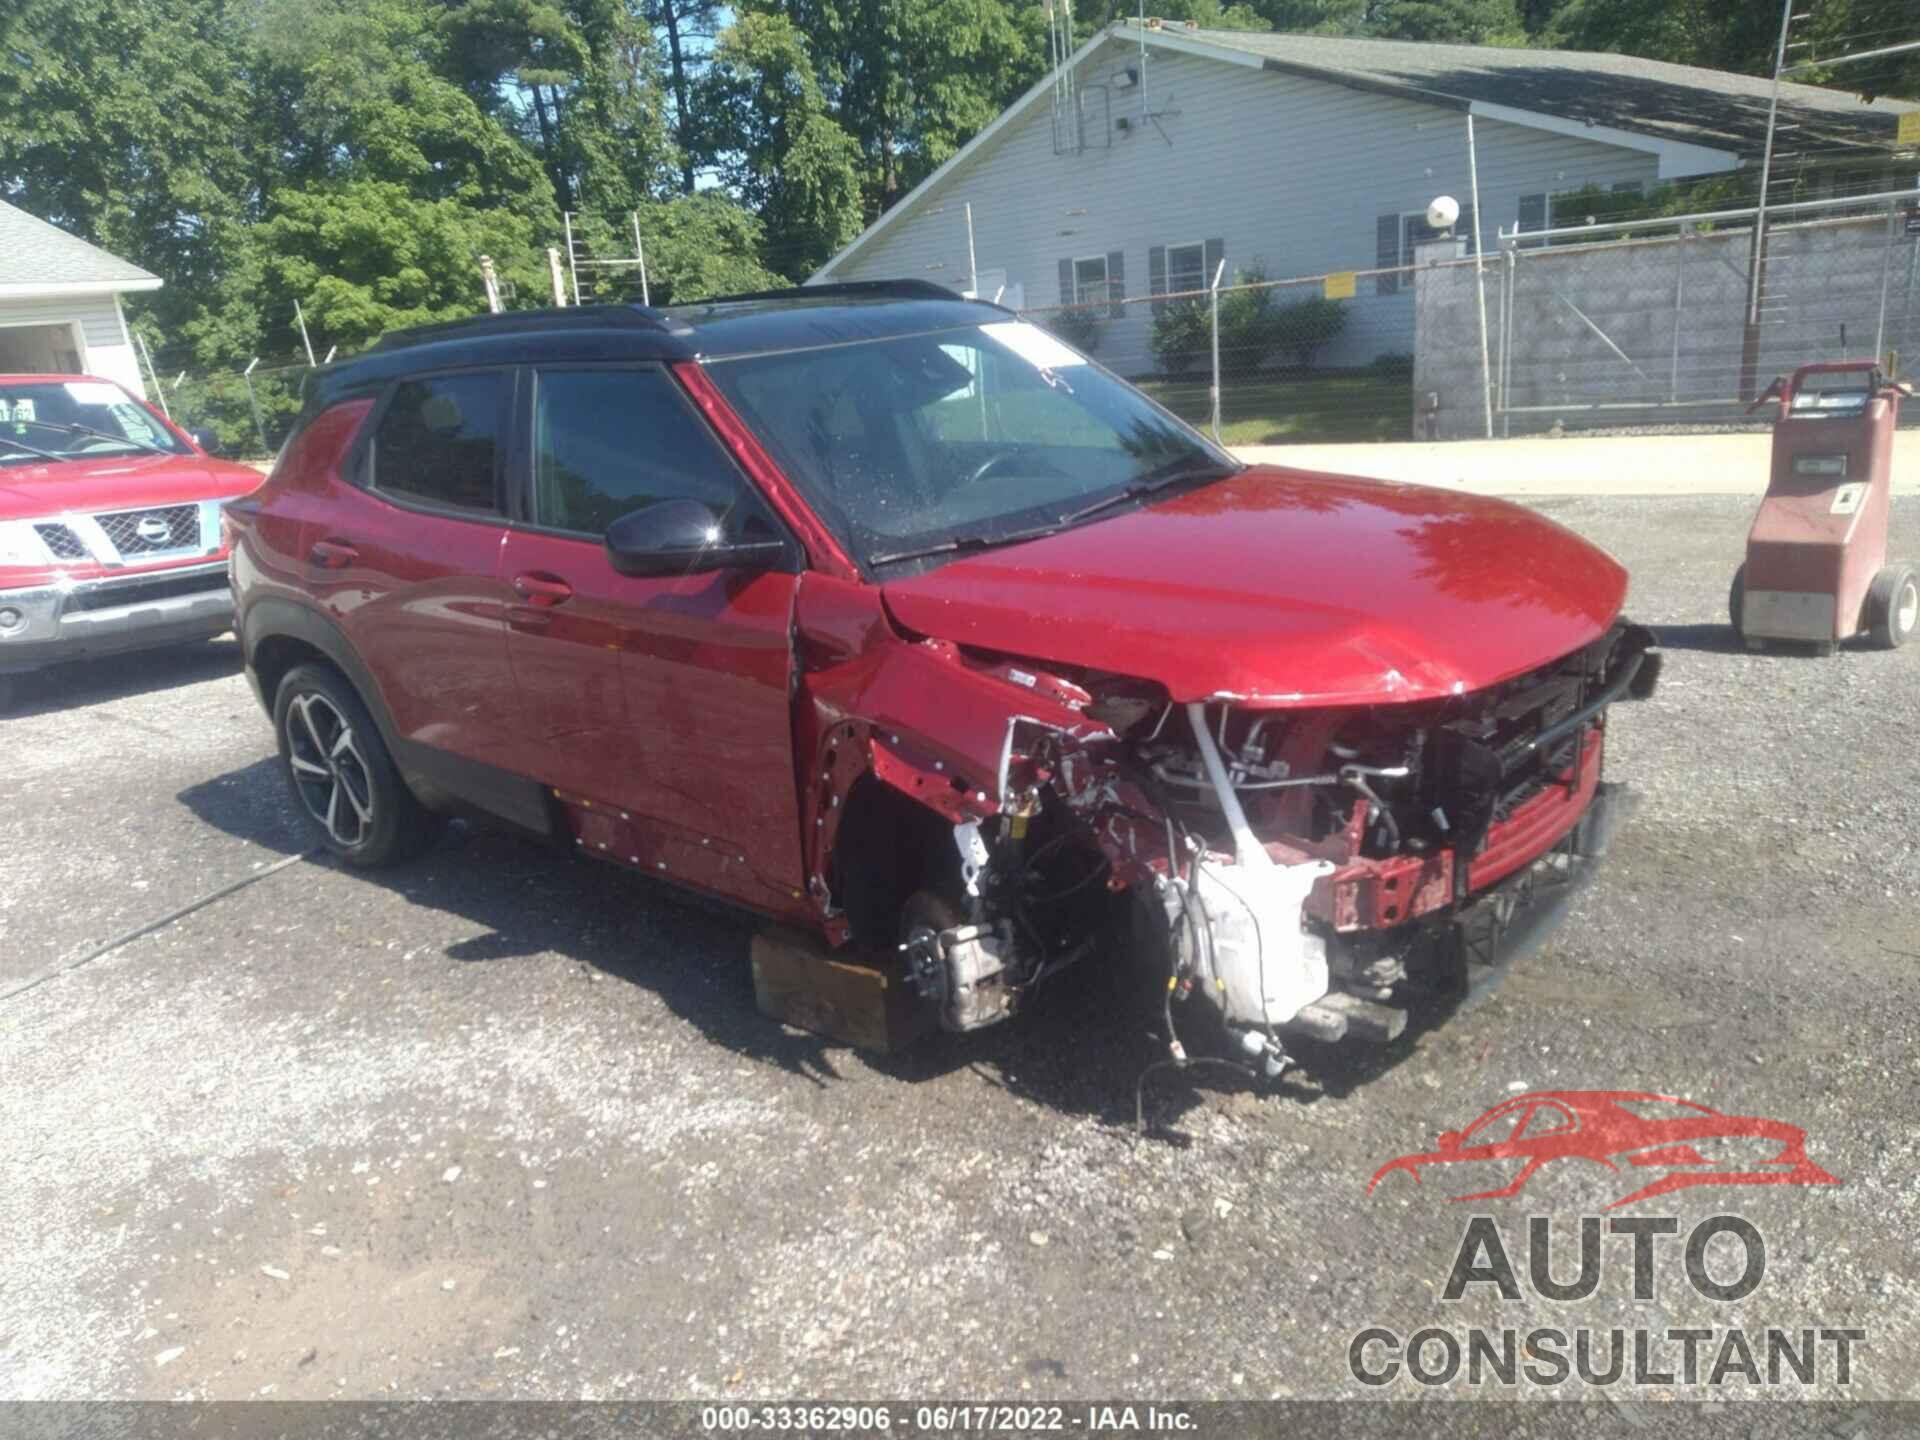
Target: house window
x,y
1399,238
1186,268
1090,280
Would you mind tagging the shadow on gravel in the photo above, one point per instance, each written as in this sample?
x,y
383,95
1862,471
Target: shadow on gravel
x,y
121,677
1080,1047
1721,640
1708,639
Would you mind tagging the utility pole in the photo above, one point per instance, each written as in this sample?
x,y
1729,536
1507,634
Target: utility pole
x,y
640,256
973,269
491,283
302,319
1757,253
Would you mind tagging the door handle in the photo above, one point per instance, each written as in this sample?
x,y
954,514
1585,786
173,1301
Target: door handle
x,y
544,591
332,554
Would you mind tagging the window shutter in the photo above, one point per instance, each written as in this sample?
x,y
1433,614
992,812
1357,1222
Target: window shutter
x,y
1157,275
1214,252
1066,282
1117,283
1386,254
1463,227
1533,213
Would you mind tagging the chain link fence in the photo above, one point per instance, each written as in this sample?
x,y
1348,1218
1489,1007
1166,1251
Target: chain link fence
x,y
1647,323
248,411
1261,361
1627,325
1676,329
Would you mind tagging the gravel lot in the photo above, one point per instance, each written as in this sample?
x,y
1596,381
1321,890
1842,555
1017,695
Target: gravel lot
x,y
503,1124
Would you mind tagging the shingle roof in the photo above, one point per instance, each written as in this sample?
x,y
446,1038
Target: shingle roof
x,y
32,252
1714,108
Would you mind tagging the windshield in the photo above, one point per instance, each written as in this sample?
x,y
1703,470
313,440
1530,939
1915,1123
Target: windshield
x,y
76,419
977,435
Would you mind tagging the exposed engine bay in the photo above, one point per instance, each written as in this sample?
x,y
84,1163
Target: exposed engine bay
x,y
1296,871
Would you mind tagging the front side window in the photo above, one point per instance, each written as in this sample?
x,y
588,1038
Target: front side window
x,y
77,419
609,442
439,441
974,435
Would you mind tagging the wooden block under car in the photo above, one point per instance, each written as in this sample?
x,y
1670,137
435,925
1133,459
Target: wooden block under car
x,y
799,981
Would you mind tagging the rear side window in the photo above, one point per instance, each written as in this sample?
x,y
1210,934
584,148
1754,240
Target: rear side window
x,y
440,441
609,442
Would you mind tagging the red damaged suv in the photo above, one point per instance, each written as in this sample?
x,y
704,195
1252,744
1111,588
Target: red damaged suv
x,y
110,534
888,615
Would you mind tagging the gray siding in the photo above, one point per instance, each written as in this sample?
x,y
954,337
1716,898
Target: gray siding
x,y
106,351
1292,173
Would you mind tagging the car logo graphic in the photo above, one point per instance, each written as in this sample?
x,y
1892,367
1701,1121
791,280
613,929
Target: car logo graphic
x,y
153,529
1688,1143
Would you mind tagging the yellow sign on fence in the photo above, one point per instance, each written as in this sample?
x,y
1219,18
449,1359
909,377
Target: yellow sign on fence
x,y
1909,131
1340,283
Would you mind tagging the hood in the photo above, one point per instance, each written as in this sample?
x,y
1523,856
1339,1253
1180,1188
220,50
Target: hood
x,y
1288,588
119,482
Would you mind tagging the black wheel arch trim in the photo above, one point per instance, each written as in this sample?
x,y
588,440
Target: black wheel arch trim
x,y
440,779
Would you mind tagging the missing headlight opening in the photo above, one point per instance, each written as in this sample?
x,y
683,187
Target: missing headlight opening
x,y
1276,872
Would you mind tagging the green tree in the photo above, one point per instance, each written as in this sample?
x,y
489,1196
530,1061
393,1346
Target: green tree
x,y
126,121
1452,22
766,133
367,256
703,244
685,32
913,80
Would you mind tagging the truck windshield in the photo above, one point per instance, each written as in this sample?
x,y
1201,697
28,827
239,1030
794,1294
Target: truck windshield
x,y
77,419
922,444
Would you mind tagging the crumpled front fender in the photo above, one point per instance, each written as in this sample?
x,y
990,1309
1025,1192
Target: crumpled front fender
x,y
911,713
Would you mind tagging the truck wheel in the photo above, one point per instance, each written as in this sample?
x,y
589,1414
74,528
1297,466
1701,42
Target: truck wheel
x,y
1736,600
1893,606
341,775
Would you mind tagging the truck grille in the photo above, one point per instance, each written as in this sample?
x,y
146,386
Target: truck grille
x,y
64,544
153,532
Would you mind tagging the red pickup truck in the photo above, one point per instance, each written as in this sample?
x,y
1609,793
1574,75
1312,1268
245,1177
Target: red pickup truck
x,y
110,530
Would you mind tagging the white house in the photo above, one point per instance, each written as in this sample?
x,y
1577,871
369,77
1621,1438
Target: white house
x,y
1157,151
60,303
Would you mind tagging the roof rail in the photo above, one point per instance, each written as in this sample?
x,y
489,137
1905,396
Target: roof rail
x,y
516,322
845,290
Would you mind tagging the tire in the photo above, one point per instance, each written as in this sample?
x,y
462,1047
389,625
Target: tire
x,y
340,774
1893,606
1737,601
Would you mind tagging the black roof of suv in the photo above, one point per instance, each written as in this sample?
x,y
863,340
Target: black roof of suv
x,y
748,324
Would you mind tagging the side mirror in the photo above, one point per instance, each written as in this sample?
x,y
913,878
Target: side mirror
x,y
684,537
207,441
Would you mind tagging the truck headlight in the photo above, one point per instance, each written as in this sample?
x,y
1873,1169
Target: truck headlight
x,y
20,544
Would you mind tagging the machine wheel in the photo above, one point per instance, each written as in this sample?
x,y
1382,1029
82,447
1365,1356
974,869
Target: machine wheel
x,y
340,773
1737,600
1893,606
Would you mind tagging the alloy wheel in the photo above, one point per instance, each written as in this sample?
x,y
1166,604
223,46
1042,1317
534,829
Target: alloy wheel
x,y
329,770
